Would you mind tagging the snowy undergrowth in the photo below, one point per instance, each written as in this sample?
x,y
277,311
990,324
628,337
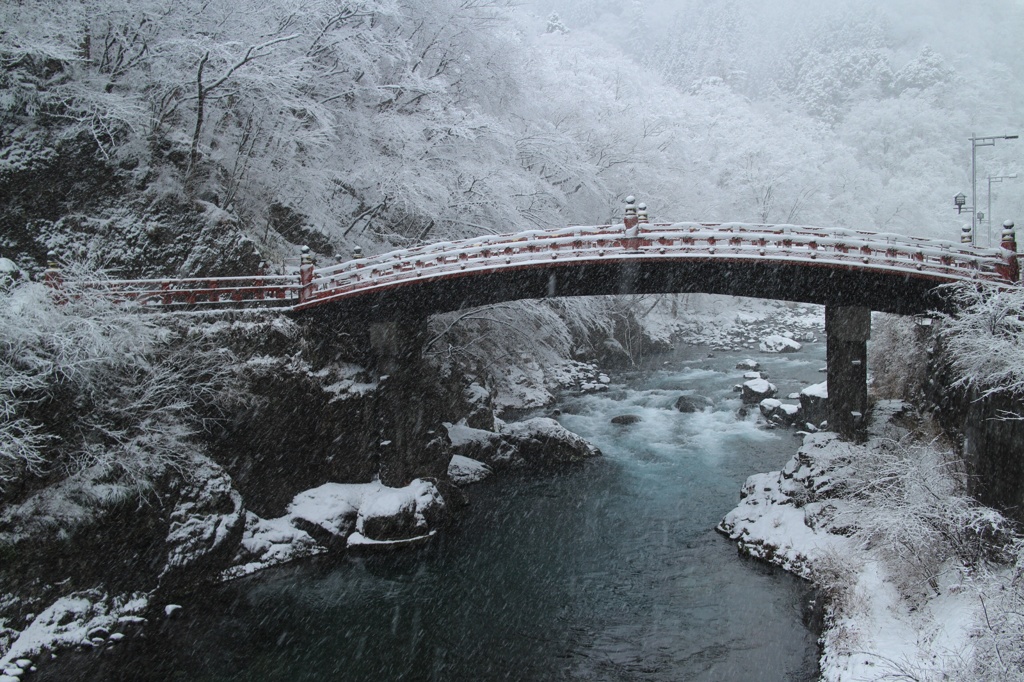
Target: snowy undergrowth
x,y
523,351
88,619
527,351
728,322
920,582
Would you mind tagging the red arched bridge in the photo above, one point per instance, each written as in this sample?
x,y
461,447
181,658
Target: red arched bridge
x,y
829,266
850,272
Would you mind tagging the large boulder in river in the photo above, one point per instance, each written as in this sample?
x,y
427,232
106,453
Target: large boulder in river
x,y
756,390
779,412
399,513
814,403
536,443
624,419
779,344
692,403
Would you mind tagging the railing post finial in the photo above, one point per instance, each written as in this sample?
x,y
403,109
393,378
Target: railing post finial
x,y
306,275
51,276
630,219
1009,244
965,234
641,214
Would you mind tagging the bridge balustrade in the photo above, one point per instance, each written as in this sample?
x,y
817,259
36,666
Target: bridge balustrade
x,y
731,241
736,242
266,290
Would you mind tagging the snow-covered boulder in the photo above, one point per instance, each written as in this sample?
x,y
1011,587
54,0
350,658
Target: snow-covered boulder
x,y
692,403
463,470
756,390
779,412
479,409
814,403
779,344
399,513
543,442
207,520
539,442
611,353
77,619
748,365
328,512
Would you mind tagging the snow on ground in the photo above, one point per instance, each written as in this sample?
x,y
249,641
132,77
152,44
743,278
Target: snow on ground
x,y
805,519
779,343
87,619
728,322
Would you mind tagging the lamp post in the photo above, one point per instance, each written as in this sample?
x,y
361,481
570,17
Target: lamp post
x,y
991,179
980,141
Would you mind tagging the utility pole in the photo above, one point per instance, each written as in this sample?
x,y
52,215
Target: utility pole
x,y
979,141
991,179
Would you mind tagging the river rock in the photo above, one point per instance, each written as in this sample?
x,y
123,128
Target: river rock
x,y
624,419
779,412
748,364
207,520
779,344
463,470
814,403
479,409
692,403
612,354
535,443
400,513
756,390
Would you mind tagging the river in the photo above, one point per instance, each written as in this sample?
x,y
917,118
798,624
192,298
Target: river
x,y
609,571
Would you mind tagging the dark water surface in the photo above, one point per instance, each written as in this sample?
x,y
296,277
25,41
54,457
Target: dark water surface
x,y
606,572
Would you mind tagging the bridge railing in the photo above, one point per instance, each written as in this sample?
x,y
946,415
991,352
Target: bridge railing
x,y
202,292
742,242
736,241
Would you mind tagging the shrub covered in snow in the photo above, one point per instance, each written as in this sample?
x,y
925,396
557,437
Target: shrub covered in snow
x,y
88,384
898,355
984,338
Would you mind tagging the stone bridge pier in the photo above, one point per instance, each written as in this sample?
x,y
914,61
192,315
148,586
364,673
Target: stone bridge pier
x,y
411,404
847,330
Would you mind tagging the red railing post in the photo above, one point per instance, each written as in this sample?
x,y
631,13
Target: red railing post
x,y
259,283
306,276
51,276
629,223
1011,268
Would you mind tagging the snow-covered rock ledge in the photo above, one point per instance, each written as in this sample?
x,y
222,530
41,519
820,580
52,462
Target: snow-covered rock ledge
x,y
340,515
917,579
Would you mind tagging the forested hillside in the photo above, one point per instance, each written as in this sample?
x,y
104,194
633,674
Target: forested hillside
x,y
202,136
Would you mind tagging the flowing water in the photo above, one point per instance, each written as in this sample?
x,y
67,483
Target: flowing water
x,y
609,571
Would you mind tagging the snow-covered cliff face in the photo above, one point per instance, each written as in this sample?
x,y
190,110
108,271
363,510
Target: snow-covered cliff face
x,y
964,368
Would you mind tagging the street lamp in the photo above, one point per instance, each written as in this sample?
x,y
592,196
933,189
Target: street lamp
x,y
991,179
980,141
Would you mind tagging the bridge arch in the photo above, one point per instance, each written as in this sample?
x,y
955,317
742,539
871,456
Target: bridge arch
x,y
850,272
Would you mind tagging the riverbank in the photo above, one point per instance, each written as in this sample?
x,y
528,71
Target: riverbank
x,y
605,570
920,582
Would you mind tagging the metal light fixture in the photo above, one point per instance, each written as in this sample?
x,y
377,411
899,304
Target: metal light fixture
x,y
959,200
